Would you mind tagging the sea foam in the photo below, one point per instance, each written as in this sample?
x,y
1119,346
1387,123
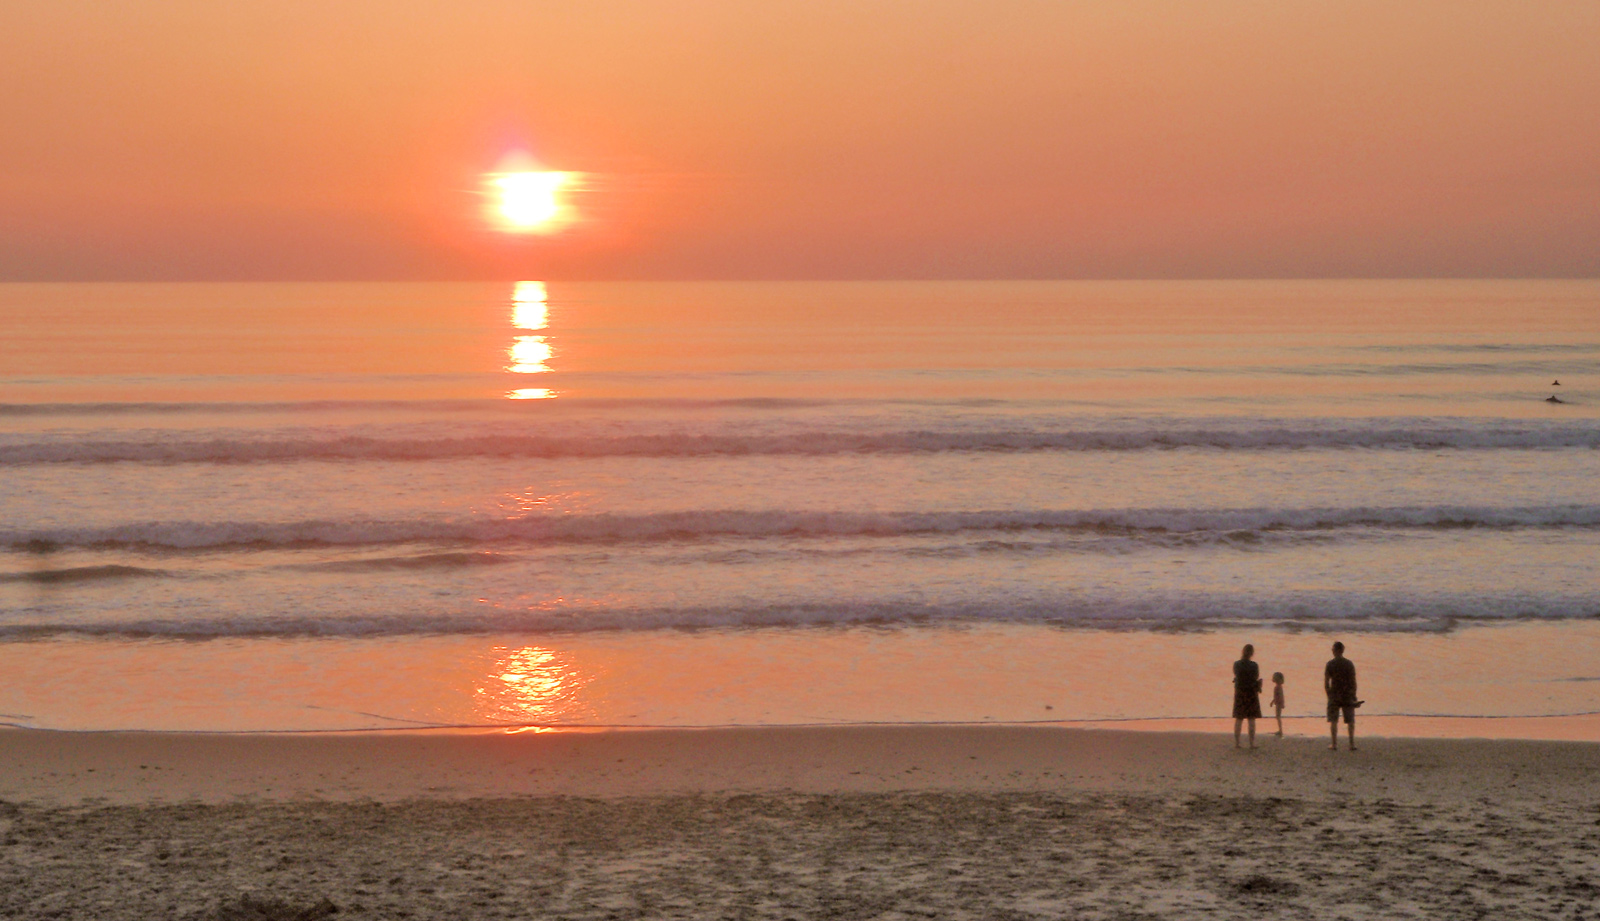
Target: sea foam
x,y
705,524
232,446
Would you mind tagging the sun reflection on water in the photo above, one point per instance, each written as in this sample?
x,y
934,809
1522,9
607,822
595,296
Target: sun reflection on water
x,y
529,354
530,305
530,684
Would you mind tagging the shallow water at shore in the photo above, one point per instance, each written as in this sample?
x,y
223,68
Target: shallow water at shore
x,y
1516,680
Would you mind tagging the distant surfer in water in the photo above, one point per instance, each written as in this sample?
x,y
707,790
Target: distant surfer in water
x,y
1552,398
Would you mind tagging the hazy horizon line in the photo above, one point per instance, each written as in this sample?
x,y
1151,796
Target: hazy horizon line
x,y
506,279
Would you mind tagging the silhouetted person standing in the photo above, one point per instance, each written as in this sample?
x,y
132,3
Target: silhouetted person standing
x,y
1246,694
1339,680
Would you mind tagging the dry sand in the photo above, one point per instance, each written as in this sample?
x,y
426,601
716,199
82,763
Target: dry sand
x,y
980,822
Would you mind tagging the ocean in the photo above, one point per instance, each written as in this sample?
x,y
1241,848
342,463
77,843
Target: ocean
x,y
262,507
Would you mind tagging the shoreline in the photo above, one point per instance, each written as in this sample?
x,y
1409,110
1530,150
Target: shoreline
x,y
1562,727
1507,681
62,768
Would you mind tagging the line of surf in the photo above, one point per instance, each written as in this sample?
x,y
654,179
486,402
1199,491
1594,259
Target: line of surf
x,y
696,525
187,447
1163,613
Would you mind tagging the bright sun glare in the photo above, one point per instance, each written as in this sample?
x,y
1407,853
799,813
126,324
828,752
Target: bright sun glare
x,y
529,202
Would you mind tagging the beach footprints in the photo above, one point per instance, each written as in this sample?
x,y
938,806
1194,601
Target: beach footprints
x,y
1261,886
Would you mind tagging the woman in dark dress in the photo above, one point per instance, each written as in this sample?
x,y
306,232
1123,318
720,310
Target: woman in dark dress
x,y
1246,694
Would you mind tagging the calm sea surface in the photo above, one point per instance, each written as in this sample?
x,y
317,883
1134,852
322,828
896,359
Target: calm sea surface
x,y
274,506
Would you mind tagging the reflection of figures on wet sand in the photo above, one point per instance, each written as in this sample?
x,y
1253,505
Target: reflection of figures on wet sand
x,y
1339,680
1246,694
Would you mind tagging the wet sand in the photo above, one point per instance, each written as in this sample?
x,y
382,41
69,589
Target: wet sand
x,y
945,822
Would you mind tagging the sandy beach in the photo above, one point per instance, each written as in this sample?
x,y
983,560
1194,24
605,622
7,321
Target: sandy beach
x,y
861,822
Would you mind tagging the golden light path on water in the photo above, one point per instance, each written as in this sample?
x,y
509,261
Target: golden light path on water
x,y
529,354
529,684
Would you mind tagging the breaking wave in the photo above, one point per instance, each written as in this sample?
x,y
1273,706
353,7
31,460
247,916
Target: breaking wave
x,y
77,574
182,448
1167,613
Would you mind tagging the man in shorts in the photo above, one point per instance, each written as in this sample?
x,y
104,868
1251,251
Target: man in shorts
x,y
1339,680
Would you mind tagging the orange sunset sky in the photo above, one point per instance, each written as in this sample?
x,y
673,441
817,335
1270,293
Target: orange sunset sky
x,y
191,139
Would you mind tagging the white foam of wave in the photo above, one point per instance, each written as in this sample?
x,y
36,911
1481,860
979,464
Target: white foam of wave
x,y
1328,611
697,525
171,447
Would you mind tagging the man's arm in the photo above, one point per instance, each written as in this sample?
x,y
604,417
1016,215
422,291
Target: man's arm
x,y
1327,679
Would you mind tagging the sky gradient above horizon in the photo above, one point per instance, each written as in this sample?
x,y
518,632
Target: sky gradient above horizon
x,y
725,139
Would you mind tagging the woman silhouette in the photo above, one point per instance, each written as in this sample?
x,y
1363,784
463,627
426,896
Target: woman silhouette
x,y
1246,694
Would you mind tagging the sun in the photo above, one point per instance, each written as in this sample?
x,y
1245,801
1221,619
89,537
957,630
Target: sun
x,y
529,201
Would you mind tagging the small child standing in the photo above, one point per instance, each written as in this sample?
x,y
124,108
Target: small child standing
x,y
1277,700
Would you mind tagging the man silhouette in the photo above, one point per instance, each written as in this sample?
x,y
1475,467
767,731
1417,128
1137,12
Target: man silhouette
x,y
1339,681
